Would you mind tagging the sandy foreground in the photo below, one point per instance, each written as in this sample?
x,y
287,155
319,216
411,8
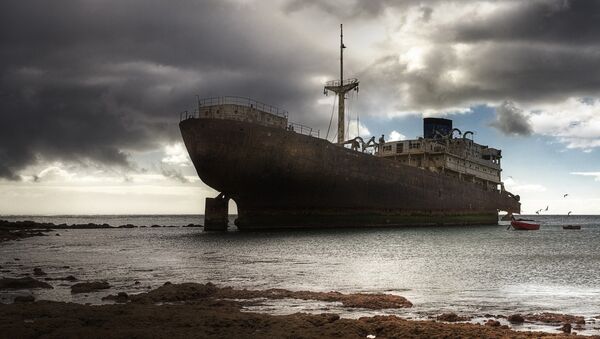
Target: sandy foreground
x,y
208,311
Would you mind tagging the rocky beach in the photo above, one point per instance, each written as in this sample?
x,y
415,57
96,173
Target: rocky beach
x,y
208,311
183,309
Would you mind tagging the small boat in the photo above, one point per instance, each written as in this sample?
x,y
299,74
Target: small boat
x,y
525,224
571,227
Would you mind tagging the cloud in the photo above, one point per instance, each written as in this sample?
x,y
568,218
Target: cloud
x,y
396,136
596,175
511,120
93,82
353,129
554,21
517,187
53,173
176,154
174,174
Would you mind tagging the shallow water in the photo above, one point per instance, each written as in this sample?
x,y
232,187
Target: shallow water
x,y
471,270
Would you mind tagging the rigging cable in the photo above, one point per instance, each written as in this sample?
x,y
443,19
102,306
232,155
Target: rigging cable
x,y
349,118
331,119
357,116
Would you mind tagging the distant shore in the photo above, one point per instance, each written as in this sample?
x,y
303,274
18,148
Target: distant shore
x,y
207,311
15,230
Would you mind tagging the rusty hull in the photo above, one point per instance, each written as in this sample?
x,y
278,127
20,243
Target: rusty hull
x,y
282,179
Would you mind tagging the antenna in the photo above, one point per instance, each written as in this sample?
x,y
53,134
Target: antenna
x,y
341,87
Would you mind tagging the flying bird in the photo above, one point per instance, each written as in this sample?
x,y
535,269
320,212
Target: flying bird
x,y
564,196
547,208
537,212
569,213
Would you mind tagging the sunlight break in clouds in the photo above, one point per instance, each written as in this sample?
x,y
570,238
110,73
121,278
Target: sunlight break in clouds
x,y
363,131
396,136
176,154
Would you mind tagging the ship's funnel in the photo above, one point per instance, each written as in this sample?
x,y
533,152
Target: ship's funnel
x,y
436,127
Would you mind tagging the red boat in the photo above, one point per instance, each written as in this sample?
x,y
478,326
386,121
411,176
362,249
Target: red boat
x,y
524,225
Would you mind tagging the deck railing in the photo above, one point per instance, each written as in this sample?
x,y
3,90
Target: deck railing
x,y
334,83
242,101
251,103
302,129
184,115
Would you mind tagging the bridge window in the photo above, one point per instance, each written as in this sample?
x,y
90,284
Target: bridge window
x,y
399,147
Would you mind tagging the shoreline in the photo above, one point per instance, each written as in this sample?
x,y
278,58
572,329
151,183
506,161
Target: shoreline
x,y
205,310
17,230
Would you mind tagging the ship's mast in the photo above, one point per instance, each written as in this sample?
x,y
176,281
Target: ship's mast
x,y
341,87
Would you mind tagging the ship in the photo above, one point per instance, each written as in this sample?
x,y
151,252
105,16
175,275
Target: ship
x,y
283,175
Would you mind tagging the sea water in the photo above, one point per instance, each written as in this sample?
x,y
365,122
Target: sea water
x,y
468,270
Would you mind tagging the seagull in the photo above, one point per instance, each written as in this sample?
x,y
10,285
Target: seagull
x,y
564,196
547,208
537,212
569,213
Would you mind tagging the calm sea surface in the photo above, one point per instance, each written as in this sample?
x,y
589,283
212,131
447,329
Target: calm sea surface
x,y
470,270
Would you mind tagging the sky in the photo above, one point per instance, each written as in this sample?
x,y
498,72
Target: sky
x,y
91,90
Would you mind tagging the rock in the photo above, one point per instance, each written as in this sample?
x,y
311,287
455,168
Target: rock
x,y
516,319
323,318
121,297
38,272
86,287
555,318
67,278
566,328
492,323
58,235
24,299
451,317
22,283
127,226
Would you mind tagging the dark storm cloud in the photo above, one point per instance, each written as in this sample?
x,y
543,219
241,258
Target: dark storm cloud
x,y
530,52
359,8
510,120
90,81
549,21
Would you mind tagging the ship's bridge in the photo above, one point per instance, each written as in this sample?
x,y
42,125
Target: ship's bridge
x,y
452,153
